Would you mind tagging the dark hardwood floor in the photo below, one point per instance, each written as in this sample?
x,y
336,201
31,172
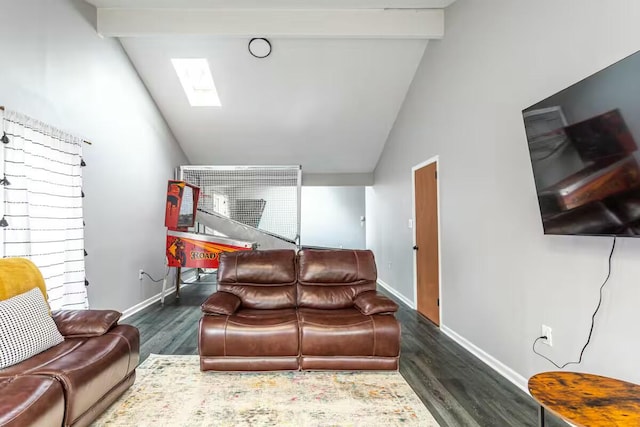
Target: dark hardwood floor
x,y
458,388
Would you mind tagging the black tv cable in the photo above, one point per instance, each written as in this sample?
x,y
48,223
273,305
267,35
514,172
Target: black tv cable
x,y
593,320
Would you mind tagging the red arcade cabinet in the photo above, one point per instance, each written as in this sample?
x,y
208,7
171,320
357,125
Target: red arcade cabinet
x,y
190,249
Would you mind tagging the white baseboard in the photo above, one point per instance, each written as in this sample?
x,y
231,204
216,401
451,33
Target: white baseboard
x,y
511,375
508,373
144,304
397,294
157,297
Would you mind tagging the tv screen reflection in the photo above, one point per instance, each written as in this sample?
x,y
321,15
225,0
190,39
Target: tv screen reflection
x,y
584,153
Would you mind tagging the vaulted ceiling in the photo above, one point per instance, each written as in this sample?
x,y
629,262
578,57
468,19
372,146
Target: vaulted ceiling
x,y
326,97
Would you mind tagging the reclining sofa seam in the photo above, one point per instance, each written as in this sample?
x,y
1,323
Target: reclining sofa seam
x,y
299,337
224,341
373,325
235,278
357,264
306,322
288,322
128,345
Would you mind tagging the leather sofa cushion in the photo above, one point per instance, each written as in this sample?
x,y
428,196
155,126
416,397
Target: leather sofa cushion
x,y
373,303
261,279
274,267
347,332
283,313
85,323
221,303
272,333
263,297
87,368
31,401
332,279
336,266
330,297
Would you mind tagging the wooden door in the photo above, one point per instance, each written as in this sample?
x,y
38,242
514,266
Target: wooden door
x,y
426,248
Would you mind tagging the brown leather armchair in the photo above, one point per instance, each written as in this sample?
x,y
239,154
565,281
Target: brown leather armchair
x,y
73,382
278,310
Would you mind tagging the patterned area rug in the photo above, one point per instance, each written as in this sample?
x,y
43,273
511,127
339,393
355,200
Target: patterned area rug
x,y
171,391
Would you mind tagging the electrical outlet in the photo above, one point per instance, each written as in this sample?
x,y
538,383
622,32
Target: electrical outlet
x,y
140,273
390,266
546,331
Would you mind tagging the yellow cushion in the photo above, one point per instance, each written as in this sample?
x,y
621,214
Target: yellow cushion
x,y
19,275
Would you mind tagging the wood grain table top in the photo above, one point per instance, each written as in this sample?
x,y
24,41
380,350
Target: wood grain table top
x,y
586,399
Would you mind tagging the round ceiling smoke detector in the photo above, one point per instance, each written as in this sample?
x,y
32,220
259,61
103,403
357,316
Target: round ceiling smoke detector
x,y
259,47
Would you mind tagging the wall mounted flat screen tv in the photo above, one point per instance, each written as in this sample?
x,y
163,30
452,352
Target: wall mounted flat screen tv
x,y
583,143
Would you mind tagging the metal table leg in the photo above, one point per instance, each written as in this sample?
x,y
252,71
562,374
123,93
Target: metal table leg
x,y
164,281
541,416
178,281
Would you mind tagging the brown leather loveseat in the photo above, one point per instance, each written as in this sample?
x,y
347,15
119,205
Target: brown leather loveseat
x,y
317,309
73,382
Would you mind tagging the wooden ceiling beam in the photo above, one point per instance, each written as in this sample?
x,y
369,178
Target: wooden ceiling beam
x,y
336,23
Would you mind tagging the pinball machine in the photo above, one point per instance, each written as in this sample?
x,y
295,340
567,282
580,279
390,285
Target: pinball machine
x,y
184,247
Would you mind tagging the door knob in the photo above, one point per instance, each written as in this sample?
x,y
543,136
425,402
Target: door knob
x,y
415,248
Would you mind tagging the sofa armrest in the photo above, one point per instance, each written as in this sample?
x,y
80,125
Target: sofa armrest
x,y
85,323
373,303
223,303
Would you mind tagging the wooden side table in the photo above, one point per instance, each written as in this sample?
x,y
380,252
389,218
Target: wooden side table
x,y
585,399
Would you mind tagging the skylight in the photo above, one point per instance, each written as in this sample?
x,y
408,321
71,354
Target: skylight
x,y
197,82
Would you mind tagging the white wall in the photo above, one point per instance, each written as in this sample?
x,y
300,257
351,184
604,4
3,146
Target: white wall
x,y
56,68
501,277
331,217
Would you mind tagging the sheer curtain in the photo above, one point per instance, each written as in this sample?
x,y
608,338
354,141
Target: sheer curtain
x,y
42,205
